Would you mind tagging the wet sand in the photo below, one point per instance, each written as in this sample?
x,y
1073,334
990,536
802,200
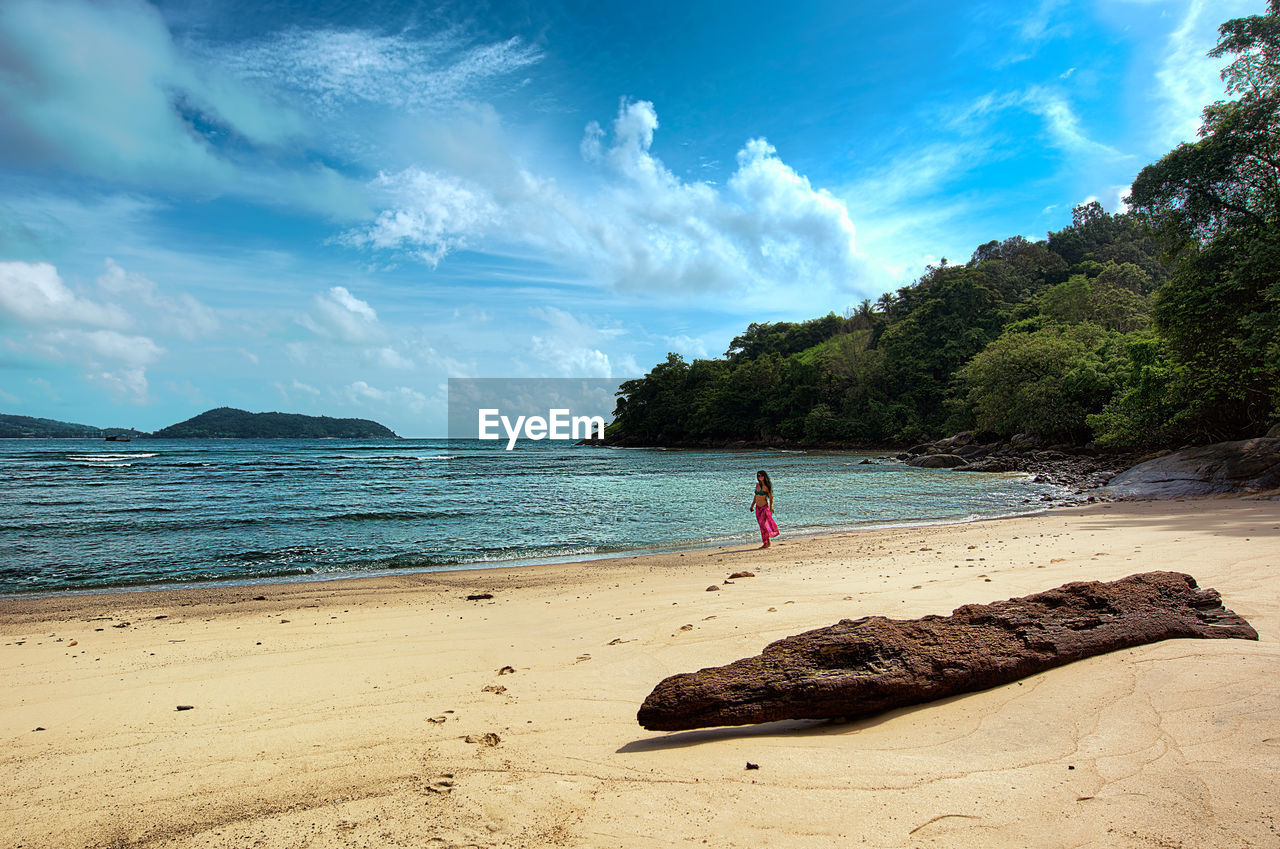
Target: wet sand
x,y
397,712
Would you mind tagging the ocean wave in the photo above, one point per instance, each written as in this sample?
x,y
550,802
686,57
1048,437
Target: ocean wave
x,y
386,515
104,465
109,458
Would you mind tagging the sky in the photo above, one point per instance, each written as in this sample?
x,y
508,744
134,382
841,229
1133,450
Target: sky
x,y
332,208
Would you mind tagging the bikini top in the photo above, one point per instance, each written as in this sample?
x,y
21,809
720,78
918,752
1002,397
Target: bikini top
x,y
762,492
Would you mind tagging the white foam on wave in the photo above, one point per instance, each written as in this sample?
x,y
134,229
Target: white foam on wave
x,y
110,458
101,465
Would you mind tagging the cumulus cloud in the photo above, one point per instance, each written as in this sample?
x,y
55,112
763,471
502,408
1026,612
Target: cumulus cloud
x,y
692,347
648,229
636,226
34,295
340,316
96,346
571,346
427,215
113,345
117,361
128,384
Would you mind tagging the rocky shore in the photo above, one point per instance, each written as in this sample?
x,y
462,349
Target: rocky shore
x,y
1248,465
1079,468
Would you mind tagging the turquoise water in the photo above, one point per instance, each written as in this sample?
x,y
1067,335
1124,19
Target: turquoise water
x,y
83,515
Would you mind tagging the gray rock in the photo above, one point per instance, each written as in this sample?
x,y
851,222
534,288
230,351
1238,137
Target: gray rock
x,y
938,461
991,464
1244,466
962,438
1023,441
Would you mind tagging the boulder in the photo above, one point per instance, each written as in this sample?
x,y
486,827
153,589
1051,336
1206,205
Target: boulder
x,y
938,461
960,439
991,464
1243,466
866,666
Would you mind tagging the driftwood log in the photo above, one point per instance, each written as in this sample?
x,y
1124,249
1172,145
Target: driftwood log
x,y
862,667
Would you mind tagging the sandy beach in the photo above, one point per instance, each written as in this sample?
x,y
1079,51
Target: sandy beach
x,y
398,712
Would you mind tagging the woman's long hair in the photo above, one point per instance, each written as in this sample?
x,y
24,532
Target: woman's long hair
x,y
768,484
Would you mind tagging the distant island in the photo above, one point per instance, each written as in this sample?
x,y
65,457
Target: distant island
x,y
230,423
219,423
27,427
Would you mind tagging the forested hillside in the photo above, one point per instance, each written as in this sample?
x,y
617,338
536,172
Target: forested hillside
x,y
1155,327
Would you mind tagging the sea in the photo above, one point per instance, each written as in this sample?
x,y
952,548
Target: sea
x,y
91,516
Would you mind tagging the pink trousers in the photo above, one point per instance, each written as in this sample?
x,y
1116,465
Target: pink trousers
x,y
768,527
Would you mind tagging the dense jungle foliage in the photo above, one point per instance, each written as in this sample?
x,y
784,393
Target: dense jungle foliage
x,y
1155,327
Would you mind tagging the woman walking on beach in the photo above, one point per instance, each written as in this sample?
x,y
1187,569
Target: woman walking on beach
x,y
762,504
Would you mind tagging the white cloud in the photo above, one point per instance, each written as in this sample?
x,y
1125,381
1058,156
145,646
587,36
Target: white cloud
x,y
298,353
427,215
113,90
295,391
1063,125
34,295
572,348
649,230
1038,25
127,384
62,325
687,345
340,316
101,89
1189,80
117,361
182,314
638,226
360,393
332,68
97,346
388,357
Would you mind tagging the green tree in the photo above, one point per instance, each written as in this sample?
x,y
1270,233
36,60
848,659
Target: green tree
x,y
1045,382
1215,204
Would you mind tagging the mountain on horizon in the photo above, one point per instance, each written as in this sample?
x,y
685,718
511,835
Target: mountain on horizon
x,y
218,423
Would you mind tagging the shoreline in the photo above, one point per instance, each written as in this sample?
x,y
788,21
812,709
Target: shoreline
x,y
531,563
396,710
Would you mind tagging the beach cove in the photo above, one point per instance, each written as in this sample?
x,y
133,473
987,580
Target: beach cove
x,y
497,707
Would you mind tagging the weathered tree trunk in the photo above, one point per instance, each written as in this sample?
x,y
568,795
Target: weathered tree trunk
x,y
862,667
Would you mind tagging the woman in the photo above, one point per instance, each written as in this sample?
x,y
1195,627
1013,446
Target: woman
x,y
762,503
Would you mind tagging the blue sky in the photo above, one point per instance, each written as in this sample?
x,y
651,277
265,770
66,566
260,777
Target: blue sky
x,y
332,208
